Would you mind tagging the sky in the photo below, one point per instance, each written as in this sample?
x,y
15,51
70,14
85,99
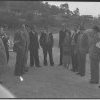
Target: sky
x,y
86,8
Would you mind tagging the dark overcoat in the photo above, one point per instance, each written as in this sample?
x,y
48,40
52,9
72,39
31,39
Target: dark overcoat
x,y
61,37
20,49
43,40
34,44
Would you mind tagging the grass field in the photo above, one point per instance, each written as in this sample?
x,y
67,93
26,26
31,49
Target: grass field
x,y
50,82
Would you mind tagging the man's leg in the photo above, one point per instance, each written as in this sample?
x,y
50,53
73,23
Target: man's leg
x,y
94,66
31,58
61,55
45,56
50,56
78,62
36,58
7,54
83,64
25,61
73,60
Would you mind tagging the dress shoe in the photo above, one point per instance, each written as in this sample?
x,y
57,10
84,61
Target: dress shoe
x,y
93,82
72,70
45,64
26,69
78,73
38,66
31,65
60,64
82,75
21,78
52,64
1,82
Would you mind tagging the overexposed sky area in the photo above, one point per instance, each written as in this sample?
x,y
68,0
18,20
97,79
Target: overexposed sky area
x,y
86,8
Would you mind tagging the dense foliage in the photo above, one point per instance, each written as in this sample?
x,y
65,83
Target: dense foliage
x,y
42,14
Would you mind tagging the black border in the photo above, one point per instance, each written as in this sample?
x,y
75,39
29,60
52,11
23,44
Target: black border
x,y
58,0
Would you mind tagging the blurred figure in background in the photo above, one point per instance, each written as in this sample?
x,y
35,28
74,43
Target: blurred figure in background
x,y
33,47
3,57
5,39
62,34
46,42
67,49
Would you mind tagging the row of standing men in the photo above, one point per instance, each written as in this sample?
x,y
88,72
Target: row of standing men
x,y
26,39
73,47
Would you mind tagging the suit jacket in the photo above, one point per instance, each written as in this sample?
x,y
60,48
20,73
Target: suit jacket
x,y
46,40
34,44
61,37
93,38
67,45
82,43
42,39
19,42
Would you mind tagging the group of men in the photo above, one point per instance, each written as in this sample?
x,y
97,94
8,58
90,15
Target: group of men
x,y
26,39
82,42
78,60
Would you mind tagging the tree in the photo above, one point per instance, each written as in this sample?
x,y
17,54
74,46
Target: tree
x,y
54,10
76,12
65,6
66,9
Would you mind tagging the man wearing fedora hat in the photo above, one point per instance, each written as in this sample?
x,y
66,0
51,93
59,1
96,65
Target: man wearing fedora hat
x,y
82,50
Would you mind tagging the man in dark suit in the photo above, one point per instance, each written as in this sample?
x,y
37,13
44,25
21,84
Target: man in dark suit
x,y
33,47
62,34
46,42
